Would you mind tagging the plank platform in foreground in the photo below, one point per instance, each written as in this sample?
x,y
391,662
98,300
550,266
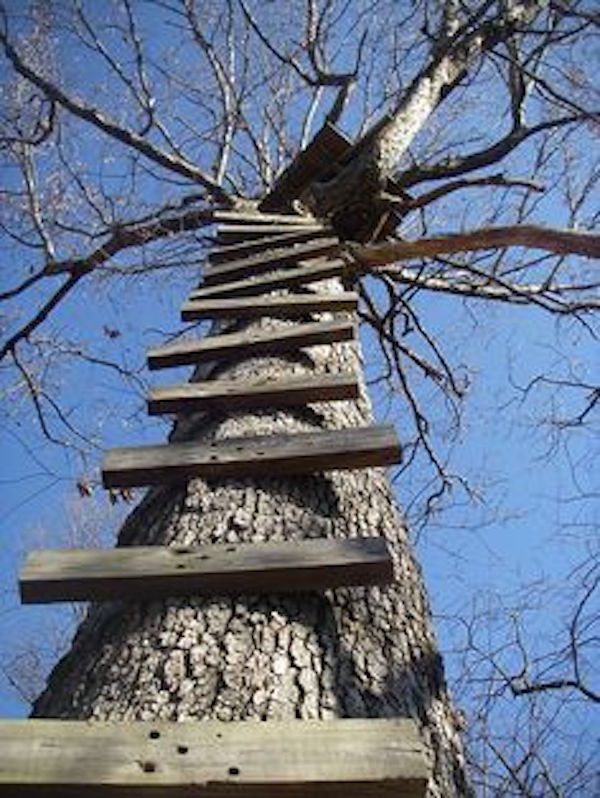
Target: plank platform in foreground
x,y
246,248
283,307
148,572
260,456
239,394
354,758
267,261
256,217
307,273
248,344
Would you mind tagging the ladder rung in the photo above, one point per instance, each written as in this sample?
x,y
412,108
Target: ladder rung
x,y
289,306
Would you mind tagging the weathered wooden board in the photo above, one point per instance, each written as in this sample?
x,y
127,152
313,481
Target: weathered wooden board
x,y
250,343
302,275
147,572
258,393
256,217
290,306
264,455
252,247
238,233
353,758
314,163
268,260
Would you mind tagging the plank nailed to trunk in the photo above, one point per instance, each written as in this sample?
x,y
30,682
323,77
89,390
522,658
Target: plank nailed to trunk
x,y
310,272
246,248
284,307
354,758
239,233
247,344
261,456
148,572
258,393
266,261
256,217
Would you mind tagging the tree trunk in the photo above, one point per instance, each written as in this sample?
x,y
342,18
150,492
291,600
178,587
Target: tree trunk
x,y
359,652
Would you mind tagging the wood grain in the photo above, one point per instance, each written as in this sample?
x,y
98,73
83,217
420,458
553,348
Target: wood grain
x,y
222,395
289,306
347,758
260,456
147,572
246,248
250,344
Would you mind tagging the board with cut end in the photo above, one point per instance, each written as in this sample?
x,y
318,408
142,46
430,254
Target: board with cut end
x,y
290,306
257,393
353,758
268,260
149,572
256,217
310,272
246,248
261,456
250,343
239,233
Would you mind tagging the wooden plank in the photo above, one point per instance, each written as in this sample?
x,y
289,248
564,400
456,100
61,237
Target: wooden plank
x,y
148,572
264,455
238,233
316,162
290,306
256,217
266,261
250,343
252,247
354,758
302,275
239,394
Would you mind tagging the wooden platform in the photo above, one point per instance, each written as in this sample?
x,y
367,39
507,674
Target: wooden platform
x,y
246,248
301,275
268,260
253,217
228,234
346,758
148,572
223,395
290,306
250,344
261,456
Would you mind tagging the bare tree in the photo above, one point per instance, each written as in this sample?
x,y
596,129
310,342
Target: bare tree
x,y
471,177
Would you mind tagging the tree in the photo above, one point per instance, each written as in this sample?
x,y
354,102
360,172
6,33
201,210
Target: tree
x,y
115,168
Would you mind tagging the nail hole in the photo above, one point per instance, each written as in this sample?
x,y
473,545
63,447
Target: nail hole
x,y
154,735
230,548
214,457
234,771
182,749
219,736
148,767
203,557
180,566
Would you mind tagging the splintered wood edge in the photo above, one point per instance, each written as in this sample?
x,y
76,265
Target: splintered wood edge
x,y
358,758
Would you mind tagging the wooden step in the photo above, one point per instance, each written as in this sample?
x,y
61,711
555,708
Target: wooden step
x,y
268,260
354,758
261,456
227,234
256,217
148,572
250,343
301,275
252,247
290,306
240,394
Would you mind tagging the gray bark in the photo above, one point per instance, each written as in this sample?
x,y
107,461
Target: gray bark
x,y
360,652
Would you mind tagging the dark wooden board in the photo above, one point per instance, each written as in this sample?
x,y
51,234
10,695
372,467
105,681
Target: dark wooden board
x,y
227,234
264,455
268,260
302,275
256,217
252,247
148,572
250,343
240,394
290,306
342,758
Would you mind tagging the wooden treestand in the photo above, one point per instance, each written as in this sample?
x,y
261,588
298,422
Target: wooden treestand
x,y
260,253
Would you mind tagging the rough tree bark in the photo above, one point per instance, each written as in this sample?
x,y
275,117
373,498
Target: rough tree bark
x,y
359,652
